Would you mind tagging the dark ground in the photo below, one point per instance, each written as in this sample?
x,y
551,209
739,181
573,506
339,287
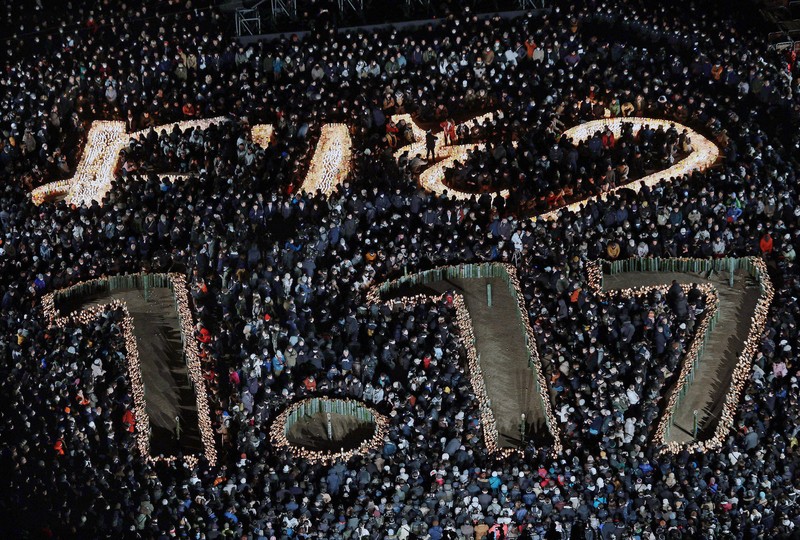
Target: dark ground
x,y
312,432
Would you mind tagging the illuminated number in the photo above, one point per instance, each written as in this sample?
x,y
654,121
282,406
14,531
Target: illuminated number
x,y
502,345
351,410
153,305
719,355
432,176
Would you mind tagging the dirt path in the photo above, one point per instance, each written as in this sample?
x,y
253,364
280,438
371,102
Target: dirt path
x,y
500,341
168,391
726,342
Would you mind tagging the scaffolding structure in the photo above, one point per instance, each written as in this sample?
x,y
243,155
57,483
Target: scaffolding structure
x,y
784,17
283,9
356,6
249,17
424,3
254,17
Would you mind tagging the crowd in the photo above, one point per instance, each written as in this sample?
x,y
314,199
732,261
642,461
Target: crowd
x,y
562,171
648,335
278,277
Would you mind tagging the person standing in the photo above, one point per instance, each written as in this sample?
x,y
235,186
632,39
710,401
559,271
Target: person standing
x,y
449,131
430,145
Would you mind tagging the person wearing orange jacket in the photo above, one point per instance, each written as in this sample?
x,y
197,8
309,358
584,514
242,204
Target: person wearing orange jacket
x,y
766,244
530,48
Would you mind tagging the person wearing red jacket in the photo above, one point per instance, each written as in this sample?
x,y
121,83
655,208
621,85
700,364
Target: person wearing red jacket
x,y
204,336
129,421
766,244
449,131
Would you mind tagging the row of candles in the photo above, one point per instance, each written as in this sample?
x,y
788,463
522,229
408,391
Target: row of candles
x,y
87,315
704,154
691,355
741,373
103,143
690,359
279,430
330,164
180,291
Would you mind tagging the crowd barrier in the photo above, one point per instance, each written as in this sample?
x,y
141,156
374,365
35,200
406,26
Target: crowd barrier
x,y
326,405
688,265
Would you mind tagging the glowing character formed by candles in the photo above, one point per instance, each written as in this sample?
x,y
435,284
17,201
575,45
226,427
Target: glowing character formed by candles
x,y
465,324
191,351
743,365
95,172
